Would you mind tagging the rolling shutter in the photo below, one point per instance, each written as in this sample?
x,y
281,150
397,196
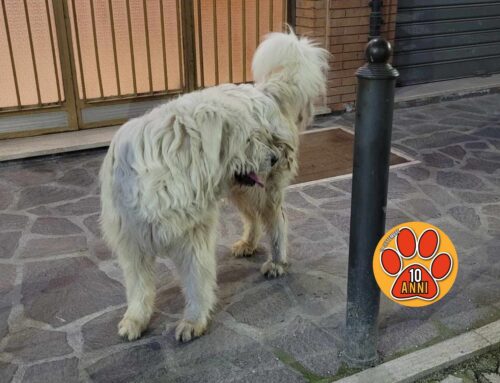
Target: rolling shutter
x,y
446,39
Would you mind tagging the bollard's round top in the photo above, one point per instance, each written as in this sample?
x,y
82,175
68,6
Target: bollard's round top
x,y
378,51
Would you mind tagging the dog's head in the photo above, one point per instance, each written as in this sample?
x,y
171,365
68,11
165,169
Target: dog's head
x,y
258,159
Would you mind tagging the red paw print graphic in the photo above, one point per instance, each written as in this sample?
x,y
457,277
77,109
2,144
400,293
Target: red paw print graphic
x,y
418,261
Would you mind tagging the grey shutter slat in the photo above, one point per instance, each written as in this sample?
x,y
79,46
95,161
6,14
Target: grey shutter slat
x,y
445,39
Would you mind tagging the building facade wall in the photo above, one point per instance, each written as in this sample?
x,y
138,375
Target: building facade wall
x,y
342,26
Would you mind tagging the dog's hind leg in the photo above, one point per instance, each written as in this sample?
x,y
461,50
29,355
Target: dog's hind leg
x,y
276,223
197,268
252,226
139,275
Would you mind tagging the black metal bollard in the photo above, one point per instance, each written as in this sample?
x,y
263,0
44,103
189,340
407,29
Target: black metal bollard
x,y
374,109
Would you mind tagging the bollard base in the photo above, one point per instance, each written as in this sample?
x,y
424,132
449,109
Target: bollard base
x,y
359,363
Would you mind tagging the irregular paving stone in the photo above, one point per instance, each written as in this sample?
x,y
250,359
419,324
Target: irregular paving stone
x,y
295,199
84,206
31,344
54,226
423,209
489,167
279,375
477,197
438,160
336,204
455,151
418,173
7,371
343,184
462,239
320,191
457,123
313,229
12,222
316,295
305,342
7,279
494,224
399,187
493,210
6,197
488,155
100,249
39,195
9,241
339,221
262,307
426,128
92,223
60,291
476,145
437,140
60,371
225,348
466,216
54,246
76,177
404,336
102,332
32,173
492,132
438,194
395,217
135,364
458,180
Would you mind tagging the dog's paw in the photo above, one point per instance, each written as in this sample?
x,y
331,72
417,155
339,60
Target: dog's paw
x,y
242,248
130,328
187,330
272,269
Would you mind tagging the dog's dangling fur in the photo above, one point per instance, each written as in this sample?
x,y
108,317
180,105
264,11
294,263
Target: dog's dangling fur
x,y
166,171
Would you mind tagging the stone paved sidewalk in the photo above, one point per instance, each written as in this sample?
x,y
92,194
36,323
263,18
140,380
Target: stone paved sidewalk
x,y
61,292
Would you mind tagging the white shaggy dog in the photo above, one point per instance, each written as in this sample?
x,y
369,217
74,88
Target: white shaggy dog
x,y
166,171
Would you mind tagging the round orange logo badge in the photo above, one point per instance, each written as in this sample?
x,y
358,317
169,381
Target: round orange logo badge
x,y
415,264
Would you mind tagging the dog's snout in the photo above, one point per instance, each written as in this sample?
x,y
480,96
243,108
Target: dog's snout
x,y
274,159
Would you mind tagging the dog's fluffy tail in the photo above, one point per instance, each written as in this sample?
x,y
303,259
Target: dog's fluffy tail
x,y
296,62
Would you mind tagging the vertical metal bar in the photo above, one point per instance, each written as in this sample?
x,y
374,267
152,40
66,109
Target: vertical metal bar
x,y
183,43
244,38
189,44
96,47
290,16
148,50
257,22
164,51
66,57
11,54
115,55
132,58
372,144
271,15
53,49
32,49
216,47
229,41
200,45
78,50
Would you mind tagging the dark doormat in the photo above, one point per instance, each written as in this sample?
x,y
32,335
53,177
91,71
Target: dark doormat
x,y
328,153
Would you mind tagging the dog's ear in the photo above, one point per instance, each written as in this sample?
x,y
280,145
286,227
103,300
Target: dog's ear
x,y
211,127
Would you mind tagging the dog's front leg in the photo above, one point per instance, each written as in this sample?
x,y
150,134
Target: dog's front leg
x,y
276,223
197,268
139,275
